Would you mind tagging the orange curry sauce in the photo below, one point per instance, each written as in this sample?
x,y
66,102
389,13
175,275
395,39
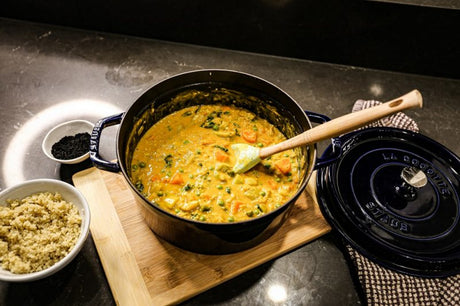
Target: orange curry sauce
x,y
184,163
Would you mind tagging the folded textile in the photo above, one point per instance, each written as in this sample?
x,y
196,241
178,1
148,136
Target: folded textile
x,y
382,286
398,120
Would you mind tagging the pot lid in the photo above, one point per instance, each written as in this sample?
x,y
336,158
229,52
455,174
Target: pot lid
x,y
393,195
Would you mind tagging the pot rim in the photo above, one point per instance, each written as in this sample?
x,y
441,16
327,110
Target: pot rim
x,y
216,226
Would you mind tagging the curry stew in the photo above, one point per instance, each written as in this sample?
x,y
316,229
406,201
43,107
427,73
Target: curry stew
x,y
183,164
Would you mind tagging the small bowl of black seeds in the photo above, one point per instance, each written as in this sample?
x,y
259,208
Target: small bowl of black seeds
x,y
68,143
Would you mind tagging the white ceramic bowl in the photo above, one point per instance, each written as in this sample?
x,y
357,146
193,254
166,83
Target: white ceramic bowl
x,y
69,194
69,128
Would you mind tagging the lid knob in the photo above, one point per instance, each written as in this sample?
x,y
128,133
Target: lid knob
x,y
413,178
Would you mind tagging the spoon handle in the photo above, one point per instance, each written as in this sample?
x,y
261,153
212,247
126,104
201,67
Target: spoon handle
x,y
346,123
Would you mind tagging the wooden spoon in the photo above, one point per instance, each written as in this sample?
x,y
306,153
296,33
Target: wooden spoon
x,y
247,156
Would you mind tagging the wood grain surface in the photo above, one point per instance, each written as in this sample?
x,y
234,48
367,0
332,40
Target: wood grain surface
x,y
143,269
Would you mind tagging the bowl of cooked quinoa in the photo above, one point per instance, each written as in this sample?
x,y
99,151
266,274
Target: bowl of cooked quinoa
x,y
43,225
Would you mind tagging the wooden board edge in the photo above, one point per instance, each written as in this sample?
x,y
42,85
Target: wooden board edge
x,y
160,300
119,263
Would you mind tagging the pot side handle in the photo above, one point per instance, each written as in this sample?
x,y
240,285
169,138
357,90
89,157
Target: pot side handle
x,y
94,155
324,161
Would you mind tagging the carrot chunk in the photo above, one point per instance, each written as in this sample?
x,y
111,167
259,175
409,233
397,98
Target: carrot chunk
x,y
273,185
283,165
235,206
155,178
249,136
221,156
177,179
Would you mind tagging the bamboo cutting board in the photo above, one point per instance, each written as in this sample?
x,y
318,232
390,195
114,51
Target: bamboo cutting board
x,y
142,269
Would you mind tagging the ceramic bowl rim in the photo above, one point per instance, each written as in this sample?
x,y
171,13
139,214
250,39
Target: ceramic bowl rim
x,y
46,145
29,187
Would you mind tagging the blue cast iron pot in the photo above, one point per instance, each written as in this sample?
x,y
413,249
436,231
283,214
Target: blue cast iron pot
x,y
268,101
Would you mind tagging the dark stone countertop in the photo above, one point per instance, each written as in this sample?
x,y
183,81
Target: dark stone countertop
x,y
51,74
446,4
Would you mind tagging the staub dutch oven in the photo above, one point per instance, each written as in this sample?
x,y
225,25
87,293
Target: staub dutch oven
x,y
265,99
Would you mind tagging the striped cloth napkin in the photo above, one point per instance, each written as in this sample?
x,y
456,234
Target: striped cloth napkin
x,y
382,286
